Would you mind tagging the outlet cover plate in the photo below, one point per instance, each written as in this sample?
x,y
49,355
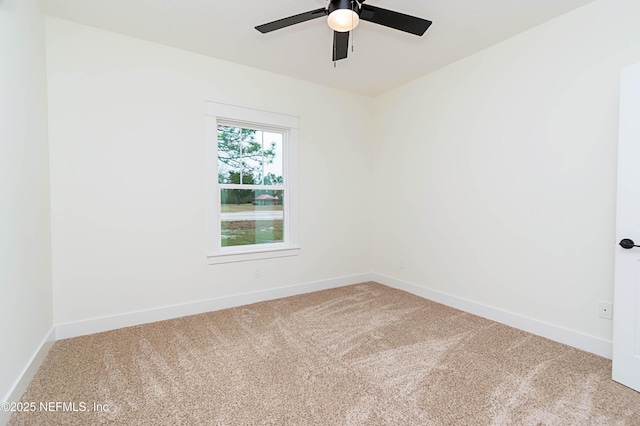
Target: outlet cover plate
x,y
605,310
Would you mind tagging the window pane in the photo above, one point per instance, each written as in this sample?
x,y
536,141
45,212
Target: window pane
x,y
273,159
230,141
251,217
252,157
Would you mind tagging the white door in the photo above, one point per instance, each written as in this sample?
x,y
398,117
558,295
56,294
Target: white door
x,y
626,301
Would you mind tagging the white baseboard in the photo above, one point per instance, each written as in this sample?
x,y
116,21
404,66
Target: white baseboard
x,y
97,325
27,373
553,332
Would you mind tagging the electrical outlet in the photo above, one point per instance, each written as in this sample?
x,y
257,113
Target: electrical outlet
x,y
257,273
605,310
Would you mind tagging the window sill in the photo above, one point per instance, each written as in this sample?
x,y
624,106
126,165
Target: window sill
x,y
244,256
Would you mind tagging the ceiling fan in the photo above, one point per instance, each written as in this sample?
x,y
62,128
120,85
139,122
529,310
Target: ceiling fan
x,y
344,15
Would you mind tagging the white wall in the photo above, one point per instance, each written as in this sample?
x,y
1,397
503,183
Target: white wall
x,y
26,314
127,142
501,170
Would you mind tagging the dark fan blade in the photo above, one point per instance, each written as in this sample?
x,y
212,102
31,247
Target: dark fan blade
x,y
340,45
397,20
291,20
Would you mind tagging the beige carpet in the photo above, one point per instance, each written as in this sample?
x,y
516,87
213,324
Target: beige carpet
x,y
359,355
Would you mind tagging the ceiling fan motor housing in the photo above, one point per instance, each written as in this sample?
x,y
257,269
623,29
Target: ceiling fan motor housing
x,y
343,4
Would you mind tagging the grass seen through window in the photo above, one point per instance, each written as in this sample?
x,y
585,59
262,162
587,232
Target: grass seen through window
x,y
245,232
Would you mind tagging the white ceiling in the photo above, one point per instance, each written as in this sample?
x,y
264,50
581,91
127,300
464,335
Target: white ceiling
x,y
383,58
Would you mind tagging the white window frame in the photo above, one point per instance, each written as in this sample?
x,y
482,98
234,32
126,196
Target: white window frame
x,y
240,116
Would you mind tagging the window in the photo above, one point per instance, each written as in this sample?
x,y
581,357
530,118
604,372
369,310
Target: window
x,y
252,184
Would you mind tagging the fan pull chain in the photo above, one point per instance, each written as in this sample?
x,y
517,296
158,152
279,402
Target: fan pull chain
x,y
352,32
353,39
334,52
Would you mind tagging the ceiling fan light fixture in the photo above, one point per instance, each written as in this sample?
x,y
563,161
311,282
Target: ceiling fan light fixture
x,y
342,16
343,20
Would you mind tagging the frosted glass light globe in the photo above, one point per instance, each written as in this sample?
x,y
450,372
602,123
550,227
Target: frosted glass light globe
x,y
343,20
